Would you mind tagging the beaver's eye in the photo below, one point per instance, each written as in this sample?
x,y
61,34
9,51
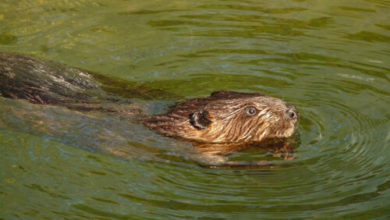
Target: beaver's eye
x,y
251,111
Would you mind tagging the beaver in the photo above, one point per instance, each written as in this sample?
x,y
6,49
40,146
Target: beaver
x,y
225,121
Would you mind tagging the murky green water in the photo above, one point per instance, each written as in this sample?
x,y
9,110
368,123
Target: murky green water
x,y
331,59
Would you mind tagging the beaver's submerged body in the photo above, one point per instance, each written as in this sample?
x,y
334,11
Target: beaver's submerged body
x,y
224,118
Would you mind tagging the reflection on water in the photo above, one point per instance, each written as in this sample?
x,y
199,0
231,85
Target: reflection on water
x,y
328,58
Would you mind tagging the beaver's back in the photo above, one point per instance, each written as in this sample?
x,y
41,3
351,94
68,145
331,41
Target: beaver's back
x,y
44,82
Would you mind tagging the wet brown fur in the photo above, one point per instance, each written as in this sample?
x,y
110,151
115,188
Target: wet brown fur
x,y
226,120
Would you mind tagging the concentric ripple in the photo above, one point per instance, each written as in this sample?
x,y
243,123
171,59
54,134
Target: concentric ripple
x,y
330,59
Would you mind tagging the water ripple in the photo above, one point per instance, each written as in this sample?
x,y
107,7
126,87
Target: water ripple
x,y
327,58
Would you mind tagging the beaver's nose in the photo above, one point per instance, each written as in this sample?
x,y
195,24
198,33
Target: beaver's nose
x,y
291,112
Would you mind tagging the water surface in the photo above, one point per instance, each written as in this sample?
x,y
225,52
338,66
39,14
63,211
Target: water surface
x,y
331,59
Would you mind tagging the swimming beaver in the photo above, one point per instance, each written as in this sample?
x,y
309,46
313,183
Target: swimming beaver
x,y
223,118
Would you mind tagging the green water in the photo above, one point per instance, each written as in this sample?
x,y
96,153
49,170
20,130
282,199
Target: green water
x,y
331,59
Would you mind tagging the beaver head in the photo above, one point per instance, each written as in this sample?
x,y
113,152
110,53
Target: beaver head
x,y
227,117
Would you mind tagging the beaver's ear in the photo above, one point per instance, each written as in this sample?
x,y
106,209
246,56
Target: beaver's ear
x,y
200,119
